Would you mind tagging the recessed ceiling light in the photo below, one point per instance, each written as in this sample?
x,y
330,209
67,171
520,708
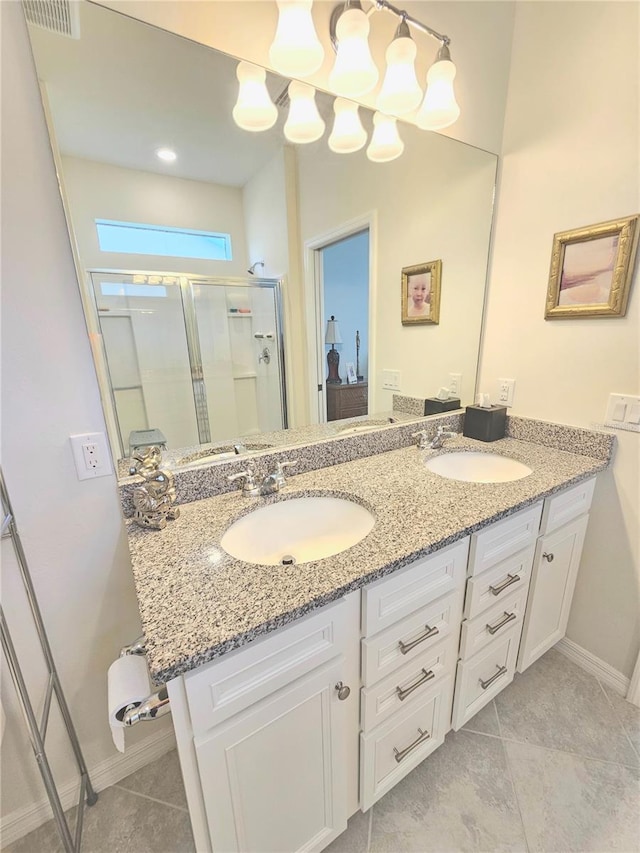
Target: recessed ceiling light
x,y
166,154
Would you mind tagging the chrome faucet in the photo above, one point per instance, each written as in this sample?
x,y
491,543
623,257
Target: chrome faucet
x,y
423,442
276,480
270,484
250,488
438,439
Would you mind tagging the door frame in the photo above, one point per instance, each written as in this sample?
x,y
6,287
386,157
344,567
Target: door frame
x,y
314,307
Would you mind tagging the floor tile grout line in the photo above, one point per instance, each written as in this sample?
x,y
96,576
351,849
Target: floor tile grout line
x,y
369,829
552,749
153,799
619,719
505,752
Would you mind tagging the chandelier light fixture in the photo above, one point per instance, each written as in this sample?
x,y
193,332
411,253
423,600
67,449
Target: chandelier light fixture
x,y
385,142
348,134
296,52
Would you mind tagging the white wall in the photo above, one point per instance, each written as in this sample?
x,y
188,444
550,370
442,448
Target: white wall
x,y
101,191
434,202
72,531
571,159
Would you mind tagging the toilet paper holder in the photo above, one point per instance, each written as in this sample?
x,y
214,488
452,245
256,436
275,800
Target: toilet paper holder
x,y
154,706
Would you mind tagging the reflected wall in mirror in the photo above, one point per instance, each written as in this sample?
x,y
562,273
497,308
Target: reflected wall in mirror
x,y
253,217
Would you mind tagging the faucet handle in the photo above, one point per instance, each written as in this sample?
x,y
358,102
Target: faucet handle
x,y
279,472
424,438
248,476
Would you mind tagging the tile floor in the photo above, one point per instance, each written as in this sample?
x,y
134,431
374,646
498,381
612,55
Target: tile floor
x,y
551,765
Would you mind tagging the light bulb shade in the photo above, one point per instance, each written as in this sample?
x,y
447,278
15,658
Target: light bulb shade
x,y
303,123
385,142
348,134
400,92
439,108
254,109
332,335
354,72
296,50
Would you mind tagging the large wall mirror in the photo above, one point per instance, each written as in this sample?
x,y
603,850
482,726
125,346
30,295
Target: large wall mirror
x,y
210,281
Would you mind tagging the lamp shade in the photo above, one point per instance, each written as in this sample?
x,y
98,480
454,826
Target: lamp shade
x,y
303,123
439,108
332,335
348,134
296,50
385,142
400,92
354,72
254,109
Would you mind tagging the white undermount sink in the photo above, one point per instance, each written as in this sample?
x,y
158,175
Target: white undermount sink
x,y
478,467
297,530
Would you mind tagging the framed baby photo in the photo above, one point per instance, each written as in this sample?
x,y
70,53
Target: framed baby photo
x,y
420,293
591,270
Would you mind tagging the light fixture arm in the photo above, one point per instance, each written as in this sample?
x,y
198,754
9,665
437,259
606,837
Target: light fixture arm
x,y
379,5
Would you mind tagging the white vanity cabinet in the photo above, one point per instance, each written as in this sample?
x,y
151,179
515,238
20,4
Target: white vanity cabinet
x,y
555,570
410,628
267,737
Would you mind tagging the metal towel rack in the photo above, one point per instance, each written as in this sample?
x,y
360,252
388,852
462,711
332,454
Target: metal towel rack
x,y
38,731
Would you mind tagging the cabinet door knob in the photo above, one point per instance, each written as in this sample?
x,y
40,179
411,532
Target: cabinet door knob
x,y
343,691
548,557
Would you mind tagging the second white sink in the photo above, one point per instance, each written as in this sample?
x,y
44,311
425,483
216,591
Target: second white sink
x,y
297,530
478,467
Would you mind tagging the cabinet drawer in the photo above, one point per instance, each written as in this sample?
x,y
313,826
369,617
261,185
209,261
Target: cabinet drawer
x,y
498,583
241,678
506,537
480,679
408,684
390,599
383,653
567,505
393,749
497,620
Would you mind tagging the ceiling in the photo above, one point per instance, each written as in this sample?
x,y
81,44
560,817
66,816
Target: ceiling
x,y
125,89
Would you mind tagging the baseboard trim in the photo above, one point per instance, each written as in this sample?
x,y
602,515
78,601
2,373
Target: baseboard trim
x,y
22,821
603,671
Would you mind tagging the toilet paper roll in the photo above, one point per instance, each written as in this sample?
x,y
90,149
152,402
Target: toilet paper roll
x,y
128,684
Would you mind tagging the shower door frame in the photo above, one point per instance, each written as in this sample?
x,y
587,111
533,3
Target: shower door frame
x,y
185,281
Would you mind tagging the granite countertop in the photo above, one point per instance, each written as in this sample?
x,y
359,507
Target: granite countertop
x,y
197,602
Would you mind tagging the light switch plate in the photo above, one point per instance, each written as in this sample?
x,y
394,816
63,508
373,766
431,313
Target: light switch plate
x,y
623,412
391,380
91,455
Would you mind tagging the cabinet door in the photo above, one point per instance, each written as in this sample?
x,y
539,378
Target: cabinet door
x,y
555,569
273,777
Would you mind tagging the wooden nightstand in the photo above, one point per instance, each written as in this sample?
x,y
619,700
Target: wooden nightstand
x,y
346,401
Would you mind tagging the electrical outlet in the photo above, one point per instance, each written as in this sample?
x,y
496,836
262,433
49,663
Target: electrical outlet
x,y
391,380
506,392
91,455
455,384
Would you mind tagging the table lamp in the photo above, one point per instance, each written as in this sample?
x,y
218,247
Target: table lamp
x,y
332,337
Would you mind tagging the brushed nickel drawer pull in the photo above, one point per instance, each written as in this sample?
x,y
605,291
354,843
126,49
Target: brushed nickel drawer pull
x,y
406,647
548,557
496,590
489,681
403,692
508,617
402,753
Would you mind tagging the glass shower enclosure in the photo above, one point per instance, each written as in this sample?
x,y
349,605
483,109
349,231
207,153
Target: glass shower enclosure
x,y
199,359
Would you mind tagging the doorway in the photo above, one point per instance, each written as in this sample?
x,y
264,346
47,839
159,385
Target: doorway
x,y
343,319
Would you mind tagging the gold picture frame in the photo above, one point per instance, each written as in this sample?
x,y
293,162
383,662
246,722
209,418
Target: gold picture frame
x,y
591,270
420,293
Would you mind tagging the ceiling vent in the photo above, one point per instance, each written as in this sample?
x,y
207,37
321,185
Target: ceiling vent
x,y
57,16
